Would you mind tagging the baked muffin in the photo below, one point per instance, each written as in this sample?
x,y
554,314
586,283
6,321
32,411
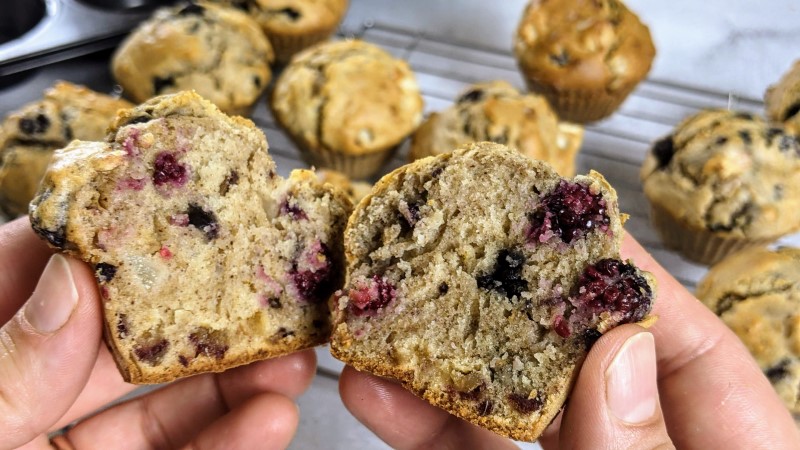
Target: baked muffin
x,y
293,25
585,56
782,100
722,181
347,105
355,190
217,51
29,136
496,112
480,279
205,257
756,292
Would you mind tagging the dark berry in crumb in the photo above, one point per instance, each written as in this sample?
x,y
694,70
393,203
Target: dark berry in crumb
x,y
506,278
485,408
205,221
791,111
369,297
316,323
122,326
745,136
291,209
590,336
437,171
138,119
410,213
561,326
151,352
443,288
526,405
36,125
183,360
664,150
613,286
57,238
778,371
167,169
789,144
284,333
274,303
159,83
105,272
569,212
291,13
207,344
231,180
772,133
473,95
314,285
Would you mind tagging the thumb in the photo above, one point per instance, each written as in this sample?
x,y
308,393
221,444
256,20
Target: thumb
x,y
615,401
47,351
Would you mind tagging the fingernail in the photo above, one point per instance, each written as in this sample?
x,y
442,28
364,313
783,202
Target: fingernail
x,y
54,298
631,383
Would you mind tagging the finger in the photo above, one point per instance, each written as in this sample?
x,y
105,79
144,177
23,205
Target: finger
x,y
405,421
175,414
267,422
47,350
549,438
712,392
22,256
615,400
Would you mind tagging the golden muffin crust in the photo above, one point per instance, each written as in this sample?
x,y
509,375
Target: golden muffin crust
x,y
782,100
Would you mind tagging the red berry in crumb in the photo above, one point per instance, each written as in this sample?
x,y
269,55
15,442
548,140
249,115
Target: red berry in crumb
x,y
371,295
167,169
613,286
569,212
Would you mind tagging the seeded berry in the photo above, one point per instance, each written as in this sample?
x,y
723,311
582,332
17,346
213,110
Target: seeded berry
x,y
370,296
506,278
613,286
167,169
314,285
569,212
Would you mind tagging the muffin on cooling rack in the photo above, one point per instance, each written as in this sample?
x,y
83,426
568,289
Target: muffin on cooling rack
x,y
293,25
347,105
756,292
29,136
495,111
217,51
782,100
723,180
585,56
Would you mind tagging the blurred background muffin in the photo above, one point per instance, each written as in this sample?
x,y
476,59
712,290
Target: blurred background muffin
x,y
347,105
722,181
782,100
585,56
495,111
215,50
29,136
293,25
355,190
756,292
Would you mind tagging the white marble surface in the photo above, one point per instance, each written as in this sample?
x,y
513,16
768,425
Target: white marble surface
x,y
706,50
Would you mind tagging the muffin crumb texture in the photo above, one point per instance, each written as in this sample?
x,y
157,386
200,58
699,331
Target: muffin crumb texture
x,y
480,279
205,258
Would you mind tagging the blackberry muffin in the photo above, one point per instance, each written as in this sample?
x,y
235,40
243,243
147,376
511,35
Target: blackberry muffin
x,y
347,105
585,56
782,100
355,190
29,136
724,180
217,51
480,279
756,292
496,112
294,25
206,259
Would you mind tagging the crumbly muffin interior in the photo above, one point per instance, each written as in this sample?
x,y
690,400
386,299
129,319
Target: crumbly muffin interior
x,y
465,280
205,257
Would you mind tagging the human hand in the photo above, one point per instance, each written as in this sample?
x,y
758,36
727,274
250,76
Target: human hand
x,y
687,382
55,369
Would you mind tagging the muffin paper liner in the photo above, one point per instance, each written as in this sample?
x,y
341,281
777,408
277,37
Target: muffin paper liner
x,y
286,46
582,106
701,246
